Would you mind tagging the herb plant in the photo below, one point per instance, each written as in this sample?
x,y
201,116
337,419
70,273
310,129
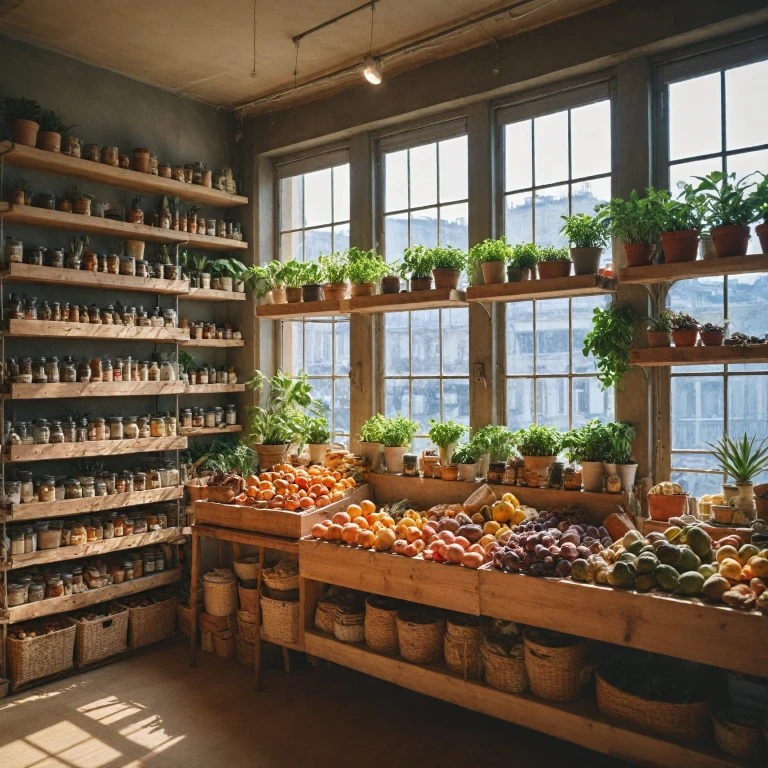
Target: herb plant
x,y
610,341
292,274
687,212
661,323
50,121
637,220
683,322
335,266
372,430
739,458
445,433
465,453
588,443
539,440
487,251
584,231
496,440
550,253
712,328
448,257
760,199
525,256
398,432
21,109
416,262
227,267
316,430
23,184
262,279
365,266
728,202
312,272
620,436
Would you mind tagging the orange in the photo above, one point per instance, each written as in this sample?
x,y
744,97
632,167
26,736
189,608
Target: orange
x,y
267,494
306,503
362,522
328,481
291,504
353,510
368,507
323,501
337,496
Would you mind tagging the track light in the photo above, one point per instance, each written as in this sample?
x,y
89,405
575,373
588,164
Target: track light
x,y
373,70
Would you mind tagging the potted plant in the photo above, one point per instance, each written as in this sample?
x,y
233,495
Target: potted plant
x,y
81,201
23,116
267,281
610,341
52,128
742,461
292,277
446,436
370,437
660,330
589,445
636,222
539,446
365,268
685,330
712,335
490,257
416,267
390,282
466,458
447,265
312,289
760,204
553,262
730,211
493,444
20,192
135,215
397,436
335,274
317,435
681,222
524,259
587,236
619,457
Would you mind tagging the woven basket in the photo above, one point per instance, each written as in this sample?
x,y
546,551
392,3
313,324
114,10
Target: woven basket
x,y
224,644
280,620
506,673
184,619
279,583
101,638
245,652
461,647
41,656
348,624
555,674
738,740
246,626
420,635
381,625
325,613
220,591
249,599
152,623
679,721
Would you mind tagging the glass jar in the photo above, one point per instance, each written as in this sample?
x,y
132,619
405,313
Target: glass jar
x,y
90,261
138,564
231,375
14,250
129,315
69,430
113,264
198,418
38,370
139,525
118,521
47,489
68,372
125,368
219,411
128,570
36,593
60,490
210,418
171,272
110,156
88,487
128,481
166,372
171,425
140,481
81,430
202,375
16,541
142,268
157,426
120,483
57,433
73,489
116,431
83,373
107,371
173,473
100,486
42,432
153,523
30,539
107,315
13,491
54,257
142,319
17,594
54,587
109,479
185,417
66,535
572,478
143,370
52,372
118,574
142,422
97,368
153,373
97,429
109,528
130,428
26,488
128,266
148,562
90,531
15,307
128,526
153,479
163,472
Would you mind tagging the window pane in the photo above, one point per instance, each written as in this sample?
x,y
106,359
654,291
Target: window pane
x,y
551,143
694,117
290,202
341,192
682,460
341,237
590,403
425,404
424,227
341,363
396,355
291,246
552,402
423,175
456,400
341,406
395,235
698,484
519,403
745,294
396,397
518,160
519,342
585,195
746,163
425,342
748,409
317,198
455,341
685,173
319,348
582,309
453,169
317,241
454,225
322,389
551,204
552,347
591,140
396,186
746,116
293,346
519,217
697,410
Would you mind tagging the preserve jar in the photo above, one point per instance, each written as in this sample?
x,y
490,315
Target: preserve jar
x,y
69,431
118,521
54,587
202,375
91,152
57,433
83,373
140,481
198,417
142,268
118,574
54,257
16,541
48,536
171,425
110,156
116,428
119,483
219,412
97,369
45,313
60,490
572,478
73,489
157,426
77,579
153,372
81,430
109,528
14,250
185,417
173,473
97,429
153,523
143,370
30,539
67,580
128,526
17,594
90,261
107,315
153,166
128,266
138,564
107,371
142,422
68,372
162,519
153,479
139,525
52,370
128,475
130,428
15,307
38,370
210,418
88,486
109,479
13,491
56,311
128,570
47,489
26,490
42,432
113,264
100,486
66,535
148,562
36,593
90,531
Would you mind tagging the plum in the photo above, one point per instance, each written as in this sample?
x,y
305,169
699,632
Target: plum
x,y
595,547
538,527
541,552
603,532
563,568
547,540
531,544
606,541
569,551
583,551
570,538
549,562
592,532
537,569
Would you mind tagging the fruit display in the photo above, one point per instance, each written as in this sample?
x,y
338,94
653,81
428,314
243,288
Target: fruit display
x,y
38,628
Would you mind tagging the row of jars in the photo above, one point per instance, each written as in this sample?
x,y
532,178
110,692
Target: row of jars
x,y
208,330
42,370
27,308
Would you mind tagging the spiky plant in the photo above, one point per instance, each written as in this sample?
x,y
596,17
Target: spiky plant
x,y
739,458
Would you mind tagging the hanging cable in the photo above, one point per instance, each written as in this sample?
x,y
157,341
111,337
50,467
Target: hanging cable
x,y
296,64
253,71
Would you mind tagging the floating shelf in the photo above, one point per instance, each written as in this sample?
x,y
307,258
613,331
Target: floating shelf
x,y
212,389
19,453
46,509
195,431
213,342
665,356
303,309
28,273
212,294
44,329
20,156
95,389
29,216
689,270
92,596
438,298
552,288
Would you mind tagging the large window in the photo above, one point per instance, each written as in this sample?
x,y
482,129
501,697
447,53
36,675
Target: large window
x,y
715,123
426,353
314,219
555,163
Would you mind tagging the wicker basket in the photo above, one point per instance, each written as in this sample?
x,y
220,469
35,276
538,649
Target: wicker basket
x,y
245,652
247,568
678,721
555,674
420,635
246,626
348,624
196,492
738,740
506,673
325,613
280,620
381,624
152,623
279,583
220,591
101,638
249,599
224,644
461,647
37,657
184,619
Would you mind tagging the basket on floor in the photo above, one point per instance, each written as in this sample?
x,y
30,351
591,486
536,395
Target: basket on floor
x,y
554,673
280,620
420,633
184,619
678,721
282,577
461,646
224,644
249,599
102,637
36,657
246,626
152,623
381,624
245,652
742,741
325,613
504,661
219,587
348,624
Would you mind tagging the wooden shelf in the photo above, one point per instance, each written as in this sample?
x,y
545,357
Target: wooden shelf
x,y
210,294
19,156
195,431
579,722
212,389
29,216
95,389
27,273
665,356
46,509
282,643
44,329
93,596
43,556
665,273
438,298
19,453
303,309
213,343
552,288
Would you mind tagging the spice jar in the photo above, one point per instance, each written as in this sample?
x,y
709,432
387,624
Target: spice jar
x,y
42,432
157,426
26,489
219,412
116,428
113,264
73,489
88,487
128,265
110,156
47,489
142,268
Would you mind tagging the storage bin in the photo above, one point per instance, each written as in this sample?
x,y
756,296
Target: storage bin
x,y
246,626
220,592
249,599
555,673
420,633
740,740
101,638
506,672
381,624
184,619
348,624
224,644
280,620
461,646
36,657
245,652
152,623
283,577
247,568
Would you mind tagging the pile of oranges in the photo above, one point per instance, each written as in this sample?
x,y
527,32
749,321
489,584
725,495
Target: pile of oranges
x,y
294,488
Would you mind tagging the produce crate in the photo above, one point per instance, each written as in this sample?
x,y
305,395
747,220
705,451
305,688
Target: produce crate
x,y
100,638
152,623
36,657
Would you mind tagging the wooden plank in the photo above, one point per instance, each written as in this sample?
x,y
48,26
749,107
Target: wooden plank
x,y
20,453
46,509
552,288
438,298
666,356
666,273
94,548
213,343
578,722
244,537
95,389
212,294
91,597
194,431
19,156
442,585
210,389
45,328
683,627
28,273
303,309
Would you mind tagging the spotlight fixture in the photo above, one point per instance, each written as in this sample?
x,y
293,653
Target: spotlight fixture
x,y
373,69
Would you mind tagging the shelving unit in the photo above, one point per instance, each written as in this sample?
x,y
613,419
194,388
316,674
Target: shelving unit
x,y
553,288
115,389
690,270
302,309
212,389
44,329
21,453
656,357
195,431
213,343
211,294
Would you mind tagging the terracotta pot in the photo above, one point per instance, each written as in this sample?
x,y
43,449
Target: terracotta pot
x,y
446,277
517,275
761,504
663,508
685,338
420,284
312,292
141,160
24,131
390,284
682,245
294,295
659,339
762,233
586,261
494,272
135,248
730,240
64,205
449,473
16,197
269,455
50,141
134,216
279,296
82,206
638,254
712,338
362,289
551,269
335,291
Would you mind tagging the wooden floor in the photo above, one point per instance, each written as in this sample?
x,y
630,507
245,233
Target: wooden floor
x,y
152,710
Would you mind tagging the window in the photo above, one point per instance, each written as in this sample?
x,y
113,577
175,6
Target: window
x,y
314,219
711,126
426,353
555,163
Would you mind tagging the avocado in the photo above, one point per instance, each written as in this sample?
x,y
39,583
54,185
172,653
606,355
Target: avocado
x,y
622,575
690,583
698,540
707,570
647,562
636,547
667,577
668,554
689,560
645,582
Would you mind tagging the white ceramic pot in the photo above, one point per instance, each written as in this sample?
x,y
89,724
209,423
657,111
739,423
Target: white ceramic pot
x,y
445,453
592,475
393,458
205,280
483,462
540,464
239,287
372,452
627,474
468,472
745,499
317,452
225,283
609,468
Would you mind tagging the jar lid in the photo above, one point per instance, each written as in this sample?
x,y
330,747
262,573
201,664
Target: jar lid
x,y
48,480
115,418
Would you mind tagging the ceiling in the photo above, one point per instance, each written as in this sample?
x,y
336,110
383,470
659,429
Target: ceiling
x,y
204,50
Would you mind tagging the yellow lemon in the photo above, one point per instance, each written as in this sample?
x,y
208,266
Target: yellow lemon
x,y
491,527
511,498
502,511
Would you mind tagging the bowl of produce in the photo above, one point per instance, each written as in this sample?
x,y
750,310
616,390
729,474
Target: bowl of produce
x,y
666,500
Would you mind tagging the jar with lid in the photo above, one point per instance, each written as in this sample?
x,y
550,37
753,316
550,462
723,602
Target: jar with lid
x,y
90,530
84,372
42,432
18,594
30,539
88,487
98,529
109,479
67,580
73,489
171,425
219,411
26,489
202,375
47,489
36,593
572,478
38,370
142,319
148,563
162,520
81,430
120,483
110,156
97,368
128,526
230,414
139,525
142,422
173,472
154,371
231,375
172,272
142,268
15,307
153,523
13,491
107,315
68,372
157,426
213,375
54,587
185,417
163,472
153,479
117,373
143,370
57,433
26,435
66,535
14,250
60,490
116,431
12,436
107,372
129,315
74,314
52,370
130,428
118,574
128,265
56,311
128,475
128,570
113,264
77,578
140,481
138,564
118,522
198,417
44,313
210,418
100,486
108,527
227,331
90,261
16,541
54,257
97,429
